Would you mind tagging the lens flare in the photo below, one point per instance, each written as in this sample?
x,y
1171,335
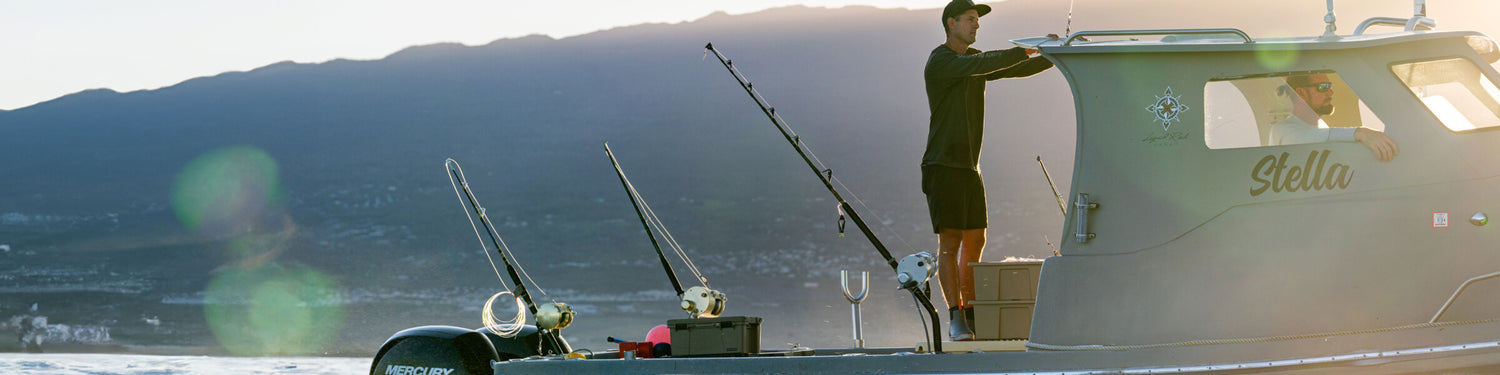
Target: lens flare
x,y
223,191
1275,59
274,310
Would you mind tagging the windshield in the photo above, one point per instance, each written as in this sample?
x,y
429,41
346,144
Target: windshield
x,y
1455,90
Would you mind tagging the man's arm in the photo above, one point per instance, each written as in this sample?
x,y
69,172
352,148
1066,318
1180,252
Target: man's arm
x,y
955,65
1384,148
1290,133
1293,132
1026,68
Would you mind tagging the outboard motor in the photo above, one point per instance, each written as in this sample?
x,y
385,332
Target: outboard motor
x,y
448,350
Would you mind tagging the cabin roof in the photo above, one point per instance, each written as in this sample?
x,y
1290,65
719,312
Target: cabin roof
x,y
1221,40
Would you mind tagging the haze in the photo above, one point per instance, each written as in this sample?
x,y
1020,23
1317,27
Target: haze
x,y
55,48
59,47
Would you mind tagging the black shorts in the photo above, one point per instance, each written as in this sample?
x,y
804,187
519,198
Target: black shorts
x,y
955,197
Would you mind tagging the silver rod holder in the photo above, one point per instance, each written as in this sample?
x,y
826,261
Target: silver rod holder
x,y
864,288
1081,208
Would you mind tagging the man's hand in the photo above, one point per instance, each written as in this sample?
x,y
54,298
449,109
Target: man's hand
x,y
1384,148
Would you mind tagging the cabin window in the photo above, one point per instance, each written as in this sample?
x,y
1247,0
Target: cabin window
x,y
1455,91
1261,111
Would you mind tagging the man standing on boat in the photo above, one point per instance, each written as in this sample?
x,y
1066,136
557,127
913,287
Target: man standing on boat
x,y
955,77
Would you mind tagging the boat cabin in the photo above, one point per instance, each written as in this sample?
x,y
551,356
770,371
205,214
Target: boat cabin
x,y
1212,201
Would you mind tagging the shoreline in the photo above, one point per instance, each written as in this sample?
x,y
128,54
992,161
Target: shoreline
x,y
159,350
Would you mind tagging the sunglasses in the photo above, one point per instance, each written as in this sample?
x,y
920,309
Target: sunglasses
x,y
1322,87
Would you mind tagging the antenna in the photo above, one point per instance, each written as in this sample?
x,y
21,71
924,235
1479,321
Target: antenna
x,y
1068,30
1329,19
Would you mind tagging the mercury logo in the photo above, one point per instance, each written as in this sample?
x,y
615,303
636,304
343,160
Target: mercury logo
x,y
413,370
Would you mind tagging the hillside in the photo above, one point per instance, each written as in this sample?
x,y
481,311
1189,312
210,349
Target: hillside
x,y
165,206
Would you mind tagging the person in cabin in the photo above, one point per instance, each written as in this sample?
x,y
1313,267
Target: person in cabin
x,y
1315,98
955,77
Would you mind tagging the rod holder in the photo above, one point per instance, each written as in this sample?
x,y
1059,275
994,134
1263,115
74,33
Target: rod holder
x,y
864,289
1081,208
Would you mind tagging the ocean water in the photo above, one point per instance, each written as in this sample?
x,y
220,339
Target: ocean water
x,y
127,364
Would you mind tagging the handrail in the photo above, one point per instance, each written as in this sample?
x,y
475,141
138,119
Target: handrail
x,y
1079,34
1460,290
1408,24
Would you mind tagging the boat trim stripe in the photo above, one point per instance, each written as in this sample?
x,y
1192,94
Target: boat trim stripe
x,y
1051,347
1389,355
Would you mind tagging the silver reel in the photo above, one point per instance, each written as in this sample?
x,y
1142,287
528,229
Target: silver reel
x,y
555,315
916,269
701,302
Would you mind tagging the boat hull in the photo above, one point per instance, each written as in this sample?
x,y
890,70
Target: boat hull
x,y
1399,351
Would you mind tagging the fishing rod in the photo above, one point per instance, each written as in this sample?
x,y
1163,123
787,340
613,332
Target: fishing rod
x,y
550,318
905,274
698,301
1060,205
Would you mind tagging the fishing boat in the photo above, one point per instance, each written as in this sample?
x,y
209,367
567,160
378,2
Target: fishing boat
x,y
1200,237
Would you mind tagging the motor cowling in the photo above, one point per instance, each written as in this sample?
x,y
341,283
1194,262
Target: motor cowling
x,y
446,350
435,350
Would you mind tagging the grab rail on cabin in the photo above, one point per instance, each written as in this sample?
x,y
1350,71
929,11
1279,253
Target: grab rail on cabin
x,y
1080,34
1409,24
1460,290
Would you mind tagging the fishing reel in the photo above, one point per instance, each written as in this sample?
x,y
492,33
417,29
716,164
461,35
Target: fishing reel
x,y
556,315
915,269
701,302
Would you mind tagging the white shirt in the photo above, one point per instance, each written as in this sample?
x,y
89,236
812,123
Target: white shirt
x,y
1292,131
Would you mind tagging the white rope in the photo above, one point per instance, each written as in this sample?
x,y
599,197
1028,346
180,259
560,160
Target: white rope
x,y
509,327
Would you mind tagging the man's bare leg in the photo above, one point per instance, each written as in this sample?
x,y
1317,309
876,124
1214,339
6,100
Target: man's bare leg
x,y
950,242
972,249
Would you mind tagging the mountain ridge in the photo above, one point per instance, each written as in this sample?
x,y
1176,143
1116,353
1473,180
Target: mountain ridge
x,y
335,169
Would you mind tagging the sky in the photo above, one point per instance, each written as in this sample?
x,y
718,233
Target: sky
x,y
53,48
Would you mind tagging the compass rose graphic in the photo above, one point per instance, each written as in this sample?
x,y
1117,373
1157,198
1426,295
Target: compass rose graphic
x,y
1167,107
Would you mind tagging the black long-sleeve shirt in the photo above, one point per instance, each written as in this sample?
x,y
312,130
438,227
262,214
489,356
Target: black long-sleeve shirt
x,y
955,94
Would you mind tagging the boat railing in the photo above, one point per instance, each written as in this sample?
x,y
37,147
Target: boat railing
x,y
1081,34
1460,289
1408,24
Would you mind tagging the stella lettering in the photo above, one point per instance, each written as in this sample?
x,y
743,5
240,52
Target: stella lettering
x,y
1272,173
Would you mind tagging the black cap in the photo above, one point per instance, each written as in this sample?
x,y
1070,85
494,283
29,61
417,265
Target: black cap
x,y
957,7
